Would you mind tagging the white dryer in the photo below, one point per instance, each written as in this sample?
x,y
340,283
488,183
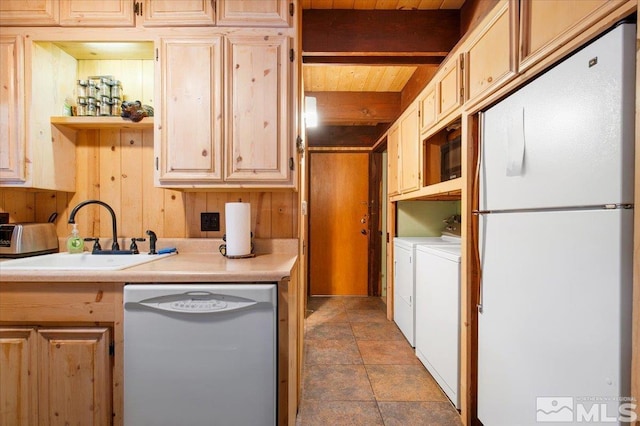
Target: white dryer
x,y
404,288
438,315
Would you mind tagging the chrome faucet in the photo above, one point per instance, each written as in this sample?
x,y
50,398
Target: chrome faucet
x,y
72,219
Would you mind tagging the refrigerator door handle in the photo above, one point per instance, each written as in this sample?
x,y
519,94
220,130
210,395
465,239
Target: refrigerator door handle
x,y
515,143
611,206
481,225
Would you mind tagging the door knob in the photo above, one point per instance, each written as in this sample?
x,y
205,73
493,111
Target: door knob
x,y
363,231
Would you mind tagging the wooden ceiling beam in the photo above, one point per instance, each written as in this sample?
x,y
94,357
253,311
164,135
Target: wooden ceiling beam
x,y
356,108
424,36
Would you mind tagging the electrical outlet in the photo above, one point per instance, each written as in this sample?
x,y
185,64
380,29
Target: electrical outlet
x,y
210,221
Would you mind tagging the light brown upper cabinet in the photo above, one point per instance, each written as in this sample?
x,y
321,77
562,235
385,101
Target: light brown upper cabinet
x,y
148,13
403,148
393,160
547,24
255,13
258,133
128,13
427,102
409,150
179,13
490,55
100,13
448,87
189,139
443,96
12,131
33,155
231,132
29,13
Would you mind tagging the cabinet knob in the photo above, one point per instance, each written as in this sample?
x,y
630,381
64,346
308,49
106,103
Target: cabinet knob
x,y
204,153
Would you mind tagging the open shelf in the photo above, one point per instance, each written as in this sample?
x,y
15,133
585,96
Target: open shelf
x,y
442,191
79,123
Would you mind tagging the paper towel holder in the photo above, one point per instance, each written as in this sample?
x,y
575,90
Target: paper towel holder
x,y
223,250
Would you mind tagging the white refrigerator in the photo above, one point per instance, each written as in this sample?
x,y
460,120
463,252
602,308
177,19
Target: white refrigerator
x,y
556,228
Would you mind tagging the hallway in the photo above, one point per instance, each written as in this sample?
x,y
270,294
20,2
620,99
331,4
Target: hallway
x,y
360,370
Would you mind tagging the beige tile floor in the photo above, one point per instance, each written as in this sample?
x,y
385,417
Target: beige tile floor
x,y
360,370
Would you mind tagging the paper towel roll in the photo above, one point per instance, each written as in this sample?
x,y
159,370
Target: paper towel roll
x,y
238,228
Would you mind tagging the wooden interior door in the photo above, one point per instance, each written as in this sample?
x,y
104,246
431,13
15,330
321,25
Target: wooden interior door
x,y
339,228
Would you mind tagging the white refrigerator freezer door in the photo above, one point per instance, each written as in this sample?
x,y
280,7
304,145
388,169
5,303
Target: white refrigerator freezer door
x,y
566,138
556,311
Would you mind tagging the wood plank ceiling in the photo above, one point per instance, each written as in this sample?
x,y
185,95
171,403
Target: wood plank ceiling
x,y
359,55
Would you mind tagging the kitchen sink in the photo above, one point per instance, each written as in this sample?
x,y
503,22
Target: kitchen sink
x,y
83,261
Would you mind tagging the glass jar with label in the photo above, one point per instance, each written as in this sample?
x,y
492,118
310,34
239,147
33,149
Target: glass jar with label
x,y
92,90
104,87
116,108
92,107
81,109
101,108
116,89
82,88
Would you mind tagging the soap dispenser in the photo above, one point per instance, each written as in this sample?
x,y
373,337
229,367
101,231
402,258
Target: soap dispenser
x,y
75,244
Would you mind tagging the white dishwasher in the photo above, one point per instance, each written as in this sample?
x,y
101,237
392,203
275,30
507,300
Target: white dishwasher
x,y
200,354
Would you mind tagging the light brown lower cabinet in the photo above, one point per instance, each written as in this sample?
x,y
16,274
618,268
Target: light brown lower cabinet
x,y
18,378
57,375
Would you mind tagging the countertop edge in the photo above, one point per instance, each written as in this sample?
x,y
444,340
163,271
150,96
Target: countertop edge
x,y
188,267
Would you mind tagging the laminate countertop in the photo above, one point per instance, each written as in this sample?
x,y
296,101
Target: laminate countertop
x,y
195,262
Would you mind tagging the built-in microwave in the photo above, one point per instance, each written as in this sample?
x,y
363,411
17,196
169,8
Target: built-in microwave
x,y
450,159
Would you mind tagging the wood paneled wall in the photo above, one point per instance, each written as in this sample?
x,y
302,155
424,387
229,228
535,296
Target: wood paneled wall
x,y
116,166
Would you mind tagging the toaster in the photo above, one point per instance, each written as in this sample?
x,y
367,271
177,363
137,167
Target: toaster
x,y
27,239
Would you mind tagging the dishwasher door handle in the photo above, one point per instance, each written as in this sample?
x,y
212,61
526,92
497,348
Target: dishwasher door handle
x,y
195,305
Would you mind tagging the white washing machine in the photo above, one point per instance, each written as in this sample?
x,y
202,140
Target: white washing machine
x,y
438,315
404,289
